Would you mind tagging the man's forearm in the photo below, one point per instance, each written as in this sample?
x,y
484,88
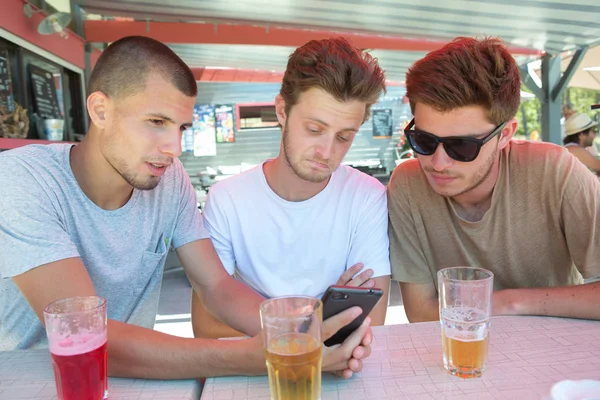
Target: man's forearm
x,y
143,353
236,304
424,312
577,301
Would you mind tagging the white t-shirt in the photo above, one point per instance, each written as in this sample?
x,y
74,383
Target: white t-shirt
x,y
281,248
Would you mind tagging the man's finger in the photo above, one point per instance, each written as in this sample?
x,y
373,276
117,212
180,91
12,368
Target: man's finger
x,y
333,324
363,280
358,352
355,365
368,338
344,373
361,352
349,274
356,337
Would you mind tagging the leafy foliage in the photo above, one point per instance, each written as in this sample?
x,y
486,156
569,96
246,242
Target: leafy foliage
x,y
581,99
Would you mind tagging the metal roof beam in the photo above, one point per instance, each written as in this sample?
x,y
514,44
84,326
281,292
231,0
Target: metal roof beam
x,y
207,33
569,72
530,83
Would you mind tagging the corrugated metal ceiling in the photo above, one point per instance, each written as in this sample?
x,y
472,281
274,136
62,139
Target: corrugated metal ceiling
x,y
549,25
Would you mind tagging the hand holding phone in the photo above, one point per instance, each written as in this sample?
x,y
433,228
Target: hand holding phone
x,y
339,298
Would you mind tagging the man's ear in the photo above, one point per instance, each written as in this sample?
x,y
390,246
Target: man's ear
x,y
97,105
280,109
507,133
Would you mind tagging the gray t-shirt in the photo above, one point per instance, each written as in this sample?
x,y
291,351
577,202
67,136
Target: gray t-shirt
x,y
46,217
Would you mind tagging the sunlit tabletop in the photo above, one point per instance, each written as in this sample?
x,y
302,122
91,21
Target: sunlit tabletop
x,y
527,356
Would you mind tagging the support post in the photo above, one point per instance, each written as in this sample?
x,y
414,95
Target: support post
x,y
551,107
550,93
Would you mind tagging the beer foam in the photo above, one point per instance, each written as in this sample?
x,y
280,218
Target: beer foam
x,y
76,344
464,314
464,324
464,336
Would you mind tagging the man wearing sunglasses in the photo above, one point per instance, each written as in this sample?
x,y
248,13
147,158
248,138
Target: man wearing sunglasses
x,y
527,211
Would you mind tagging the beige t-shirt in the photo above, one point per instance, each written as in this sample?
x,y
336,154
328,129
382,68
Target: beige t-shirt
x,y
542,229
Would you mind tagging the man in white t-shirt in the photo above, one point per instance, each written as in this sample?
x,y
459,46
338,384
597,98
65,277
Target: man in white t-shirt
x,y
301,222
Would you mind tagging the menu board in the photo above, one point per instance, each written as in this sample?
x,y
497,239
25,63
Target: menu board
x,y
6,93
44,93
382,122
224,123
203,127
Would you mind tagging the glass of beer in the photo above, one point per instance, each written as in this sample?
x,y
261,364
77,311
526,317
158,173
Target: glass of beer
x,y
76,329
465,297
292,334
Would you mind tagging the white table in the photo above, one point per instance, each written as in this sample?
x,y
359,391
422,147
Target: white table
x,y
27,374
527,356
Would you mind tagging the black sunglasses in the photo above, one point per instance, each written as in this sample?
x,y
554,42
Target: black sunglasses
x,y
459,148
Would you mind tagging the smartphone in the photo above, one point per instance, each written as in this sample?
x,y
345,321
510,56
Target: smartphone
x,y
339,298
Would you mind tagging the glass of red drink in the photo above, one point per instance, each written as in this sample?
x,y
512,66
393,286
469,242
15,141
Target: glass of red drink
x,y
76,329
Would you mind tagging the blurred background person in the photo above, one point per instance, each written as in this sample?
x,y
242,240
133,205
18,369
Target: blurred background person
x,y
580,133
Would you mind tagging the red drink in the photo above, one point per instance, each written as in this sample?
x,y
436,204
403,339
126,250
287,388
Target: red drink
x,y
76,329
81,376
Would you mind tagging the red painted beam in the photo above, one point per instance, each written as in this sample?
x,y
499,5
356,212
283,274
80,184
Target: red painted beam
x,y
14,20
247,75
183,32
235,75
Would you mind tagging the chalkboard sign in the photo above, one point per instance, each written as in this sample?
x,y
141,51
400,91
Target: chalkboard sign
x,y
382,122
6,94
44,93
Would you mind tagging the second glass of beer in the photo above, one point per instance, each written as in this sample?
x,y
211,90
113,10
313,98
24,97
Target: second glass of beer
x,y
465,297
292,334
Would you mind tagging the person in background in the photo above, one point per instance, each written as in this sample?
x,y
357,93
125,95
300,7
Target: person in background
x,y
99,217
567,112
300,222
527,211
580,134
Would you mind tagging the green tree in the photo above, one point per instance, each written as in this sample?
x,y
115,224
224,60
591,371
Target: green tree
x,y
580,98
532,109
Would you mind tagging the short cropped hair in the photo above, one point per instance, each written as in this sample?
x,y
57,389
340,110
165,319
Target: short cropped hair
x,y
123,68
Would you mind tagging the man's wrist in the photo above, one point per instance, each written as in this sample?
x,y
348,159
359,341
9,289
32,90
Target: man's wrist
x,y
505,302
257,355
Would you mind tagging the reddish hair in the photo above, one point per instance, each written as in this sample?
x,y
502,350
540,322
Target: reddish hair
x,y
467,72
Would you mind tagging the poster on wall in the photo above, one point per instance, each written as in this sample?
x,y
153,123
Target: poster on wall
x,y
203,128
224,123
382,123
6,93
187,140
